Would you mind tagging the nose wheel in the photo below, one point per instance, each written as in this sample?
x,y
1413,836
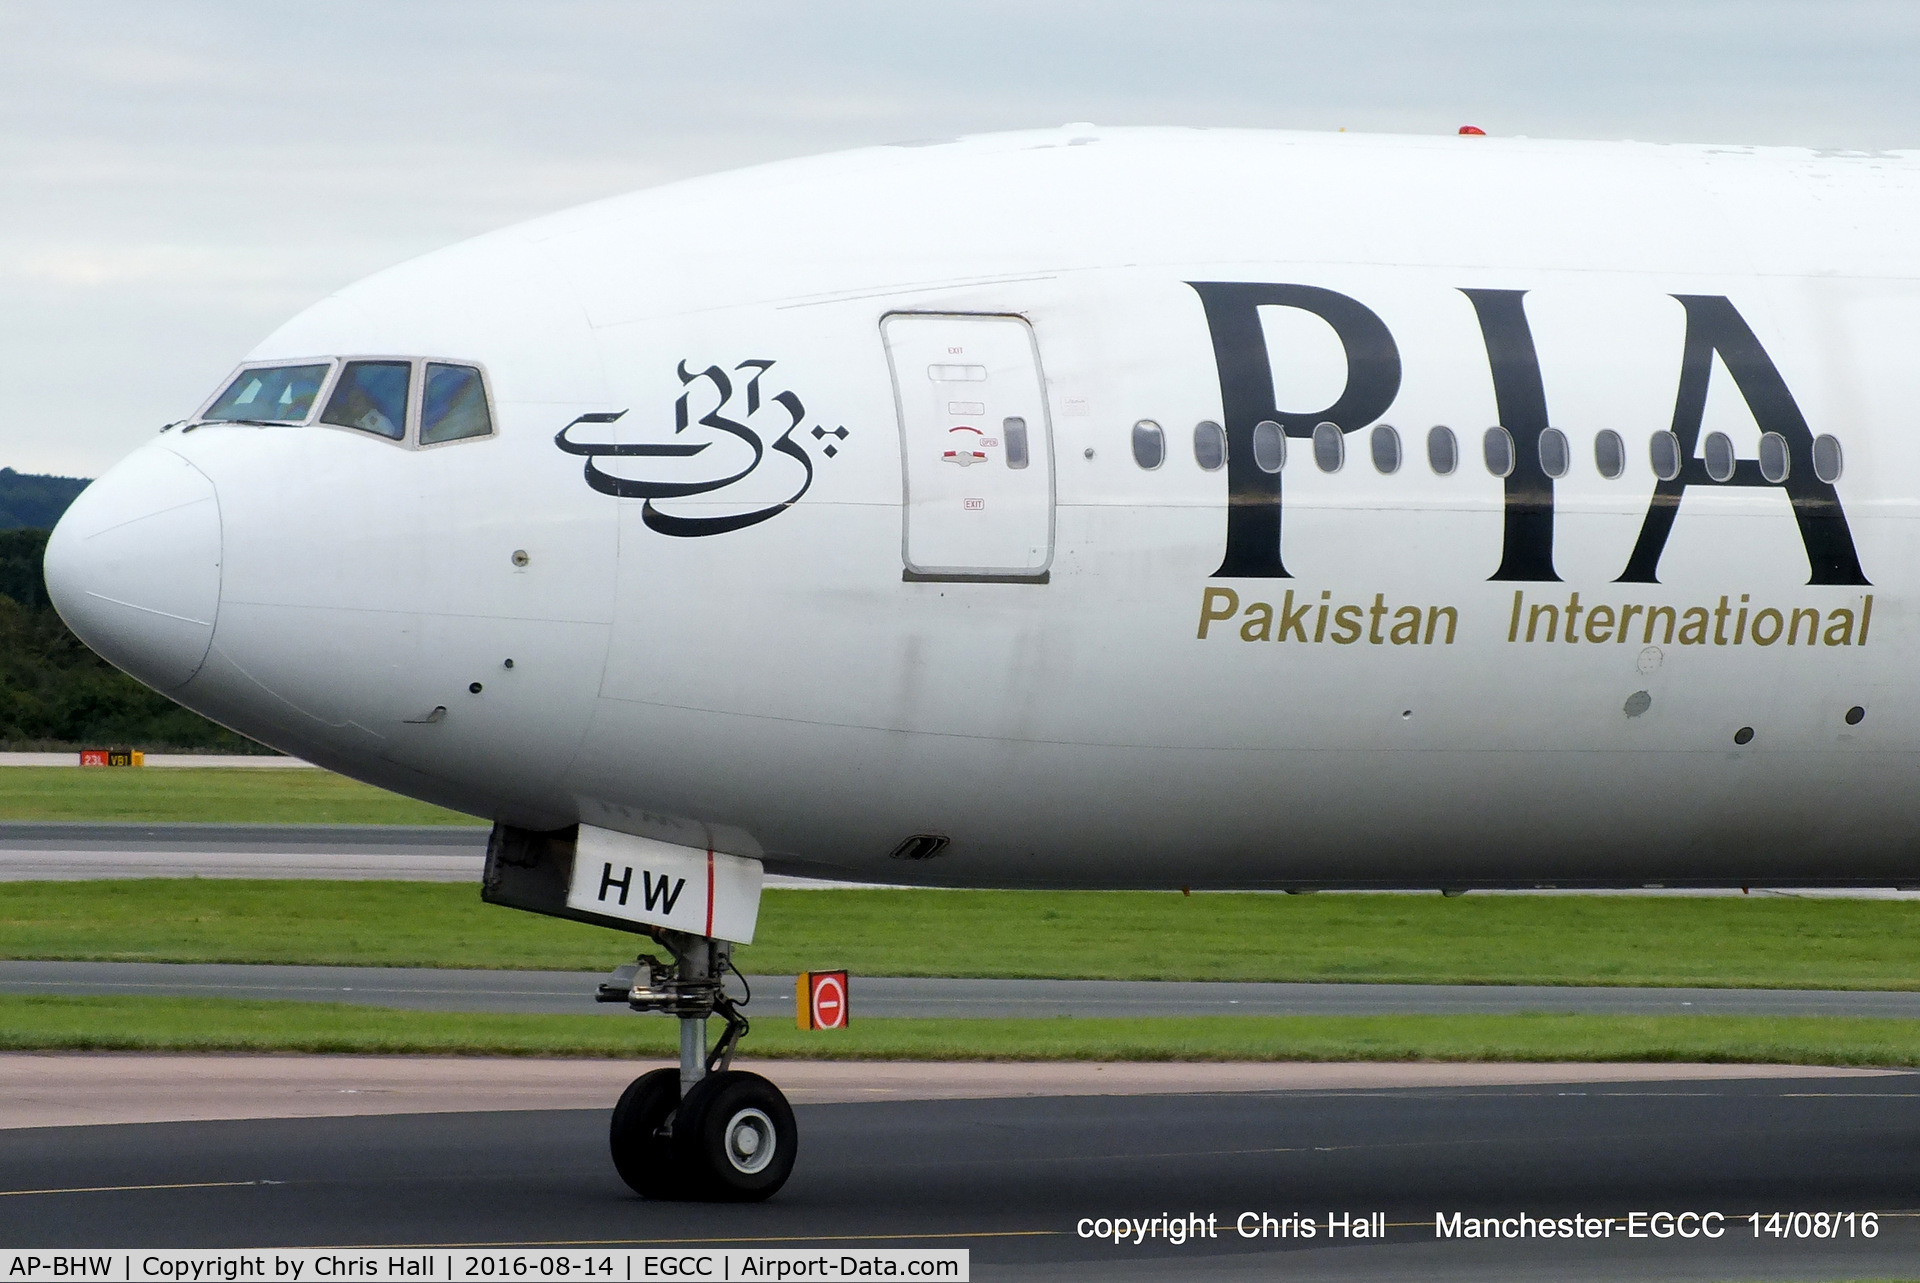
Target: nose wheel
x,y
642,1134
703,1131
731,1140
735,1137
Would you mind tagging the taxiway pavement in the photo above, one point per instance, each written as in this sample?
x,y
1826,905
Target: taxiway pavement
x,y
63,851
571,993
71,852
1016,1177
60,1089
163,761
75,851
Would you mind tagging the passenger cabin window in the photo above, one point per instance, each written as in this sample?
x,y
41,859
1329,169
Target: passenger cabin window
x,y
1719,456
1826,458
269,394
1443,452
1663,452
1386,449
1775,459
1609,453
1497,447
453,404
1209,445
1149,444
372,396
1269,446
1555,455
1013,431
1329,446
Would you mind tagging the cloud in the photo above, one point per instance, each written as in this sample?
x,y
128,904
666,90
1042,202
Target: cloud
x,y
228,163
194,267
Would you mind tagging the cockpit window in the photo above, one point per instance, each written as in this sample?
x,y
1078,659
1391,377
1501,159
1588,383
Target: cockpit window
x,y
269,394
371,396
454,405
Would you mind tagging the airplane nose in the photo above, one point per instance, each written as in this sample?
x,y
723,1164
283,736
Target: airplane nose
x,y
134,567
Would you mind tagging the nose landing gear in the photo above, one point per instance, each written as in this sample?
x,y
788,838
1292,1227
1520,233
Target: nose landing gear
x,y
706,1130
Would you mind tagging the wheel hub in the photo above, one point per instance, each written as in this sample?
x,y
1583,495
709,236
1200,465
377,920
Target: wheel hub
x,y
750,1141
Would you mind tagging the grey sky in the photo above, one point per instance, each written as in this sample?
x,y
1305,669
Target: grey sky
x,y
178,178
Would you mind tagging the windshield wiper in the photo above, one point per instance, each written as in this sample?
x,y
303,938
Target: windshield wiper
x,y
254,423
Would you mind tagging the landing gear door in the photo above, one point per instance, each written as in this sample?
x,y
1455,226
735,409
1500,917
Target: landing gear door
x,y
977,451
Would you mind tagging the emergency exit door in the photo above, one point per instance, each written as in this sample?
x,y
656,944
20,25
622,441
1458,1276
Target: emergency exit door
x,y
977,454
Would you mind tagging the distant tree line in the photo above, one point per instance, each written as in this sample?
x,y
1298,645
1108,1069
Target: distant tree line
x,y
54,692
32,502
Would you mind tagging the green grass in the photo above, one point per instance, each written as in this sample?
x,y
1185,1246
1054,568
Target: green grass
x,y
211,795
1118,935
1858,944
211,1024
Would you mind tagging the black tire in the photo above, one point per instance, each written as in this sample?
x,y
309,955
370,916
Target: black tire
x,y
735,1138
641,1136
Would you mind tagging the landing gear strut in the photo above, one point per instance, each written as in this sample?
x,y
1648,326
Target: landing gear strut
x,y
705,1130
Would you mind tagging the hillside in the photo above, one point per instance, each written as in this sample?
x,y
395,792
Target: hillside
x,y
30,501
55,693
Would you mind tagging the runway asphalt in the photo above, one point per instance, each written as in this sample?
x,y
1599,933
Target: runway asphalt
x,y
566,992
1011,1180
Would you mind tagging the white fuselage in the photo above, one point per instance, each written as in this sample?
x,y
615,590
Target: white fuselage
x,y
1084,671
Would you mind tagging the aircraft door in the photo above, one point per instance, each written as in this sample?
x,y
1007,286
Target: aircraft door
x,y
978,456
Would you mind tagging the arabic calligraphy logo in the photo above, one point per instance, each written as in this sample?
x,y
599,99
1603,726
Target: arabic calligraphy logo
x,y
722,389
